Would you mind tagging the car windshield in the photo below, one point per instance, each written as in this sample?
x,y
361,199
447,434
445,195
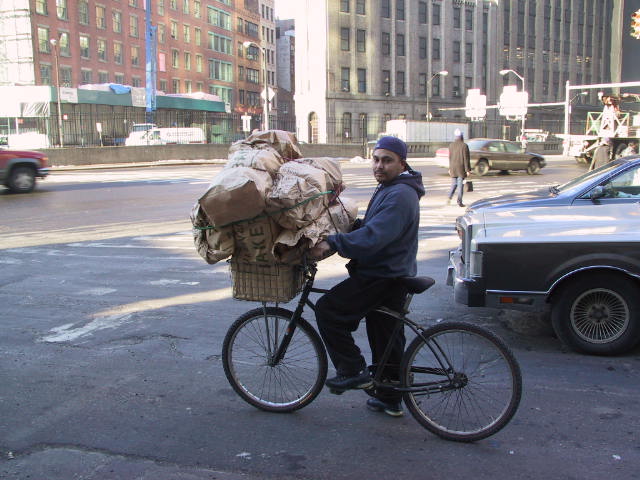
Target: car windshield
x,y
585,177
476,144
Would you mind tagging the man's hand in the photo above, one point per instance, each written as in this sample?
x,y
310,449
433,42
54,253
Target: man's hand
x,y
321,250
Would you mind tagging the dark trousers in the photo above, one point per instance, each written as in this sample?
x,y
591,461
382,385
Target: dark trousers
x,y
457,183
338,314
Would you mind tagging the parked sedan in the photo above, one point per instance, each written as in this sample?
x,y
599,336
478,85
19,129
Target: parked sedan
x,y
489,154
573,249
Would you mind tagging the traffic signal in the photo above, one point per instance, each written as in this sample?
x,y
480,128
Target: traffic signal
x,y
635,24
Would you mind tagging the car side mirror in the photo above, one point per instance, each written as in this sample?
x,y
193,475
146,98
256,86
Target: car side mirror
x,y
597,192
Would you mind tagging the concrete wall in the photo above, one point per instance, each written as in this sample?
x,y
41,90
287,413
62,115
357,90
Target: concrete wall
x,y
114,155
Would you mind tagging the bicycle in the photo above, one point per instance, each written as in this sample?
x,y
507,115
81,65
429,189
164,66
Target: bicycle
x,y
458,380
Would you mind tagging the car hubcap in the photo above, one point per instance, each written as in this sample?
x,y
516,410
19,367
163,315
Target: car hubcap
x,y
23,181
599,316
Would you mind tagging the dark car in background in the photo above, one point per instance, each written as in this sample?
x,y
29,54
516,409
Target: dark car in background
x,y
19,169
492,154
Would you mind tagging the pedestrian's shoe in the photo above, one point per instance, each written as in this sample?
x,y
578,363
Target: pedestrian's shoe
x,y
460,204
448,201
393,409
340,383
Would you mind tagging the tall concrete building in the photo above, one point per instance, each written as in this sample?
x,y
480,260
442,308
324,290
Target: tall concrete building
x,y
200,45
360,62
285,52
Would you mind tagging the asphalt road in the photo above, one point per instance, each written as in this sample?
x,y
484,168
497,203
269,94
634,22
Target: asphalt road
x,y
112,332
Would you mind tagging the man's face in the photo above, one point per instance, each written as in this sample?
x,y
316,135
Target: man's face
x,y
386,165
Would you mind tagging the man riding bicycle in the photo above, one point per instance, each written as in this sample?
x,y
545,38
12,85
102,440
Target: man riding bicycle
x,y
381,248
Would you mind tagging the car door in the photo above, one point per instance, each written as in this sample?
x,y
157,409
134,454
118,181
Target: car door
x,y
497,155
514,158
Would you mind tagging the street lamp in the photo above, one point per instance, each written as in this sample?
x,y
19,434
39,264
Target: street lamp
x,y
503,73
265,113
54,44
441,73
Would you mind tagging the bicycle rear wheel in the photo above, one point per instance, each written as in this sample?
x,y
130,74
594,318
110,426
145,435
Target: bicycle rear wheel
x,y
465,383
248,349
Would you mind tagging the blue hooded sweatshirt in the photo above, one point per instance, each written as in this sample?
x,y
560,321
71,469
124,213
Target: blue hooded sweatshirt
x,y
386,243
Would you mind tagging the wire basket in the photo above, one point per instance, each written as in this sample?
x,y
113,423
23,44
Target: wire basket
x,y
265,283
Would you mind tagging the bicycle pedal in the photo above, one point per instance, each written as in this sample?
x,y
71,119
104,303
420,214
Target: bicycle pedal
x,y
336,391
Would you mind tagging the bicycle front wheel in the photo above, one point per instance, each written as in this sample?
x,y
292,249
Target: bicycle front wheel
x,y
464,383
248,352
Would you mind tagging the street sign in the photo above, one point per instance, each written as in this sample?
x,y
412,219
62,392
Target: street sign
x,y
512,102
476,104
272,94
246,123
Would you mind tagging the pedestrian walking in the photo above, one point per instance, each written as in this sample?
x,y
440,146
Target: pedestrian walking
x,y
459,166
602,154
381,248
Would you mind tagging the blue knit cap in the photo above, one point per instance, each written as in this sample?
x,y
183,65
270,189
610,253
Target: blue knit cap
x,y
393,144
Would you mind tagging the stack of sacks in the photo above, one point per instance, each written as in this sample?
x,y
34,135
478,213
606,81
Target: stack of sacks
x,y
269,206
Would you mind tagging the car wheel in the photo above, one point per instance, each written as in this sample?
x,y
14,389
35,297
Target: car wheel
x,y
533,167
482,167
598,314
21,179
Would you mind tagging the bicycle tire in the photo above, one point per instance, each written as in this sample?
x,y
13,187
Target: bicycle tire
x,y
490,387
291,384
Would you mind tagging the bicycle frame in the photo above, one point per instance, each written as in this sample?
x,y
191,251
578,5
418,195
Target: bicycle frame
x,y
452,381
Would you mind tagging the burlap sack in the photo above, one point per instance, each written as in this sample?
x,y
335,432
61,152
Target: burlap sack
x,y
254,240
290,245
285,143
330,166
212,245
298,195
266,159
235,194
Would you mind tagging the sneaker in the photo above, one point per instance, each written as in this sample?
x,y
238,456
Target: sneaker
x,y
349,382
460,204
390,408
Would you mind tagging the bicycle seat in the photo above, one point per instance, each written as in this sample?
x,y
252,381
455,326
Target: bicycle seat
x,y
417,284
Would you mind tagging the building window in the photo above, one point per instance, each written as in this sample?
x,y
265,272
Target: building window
x,y
161,33
101,21
117,53
422,84
385,9
251,29
44,45
83,12
386,82
456,86
133,3
63,45
346,125
361,8
173,4
103,77
65,77
197,8
399,9
456,51
197,36
253,76
400,83
422,47
45,74
219,18
175,85
135,56
345,83
41,7
136,82
344,6
386,43
221,44
468,83
175,58
435,14
456,17
219,70
174,29
468,52
422,12
344,39
61,9
85,76
84,46
435,86
160,7
240,73
361,40
119,78
400,45
186,33
117,21
435,49
185,7
187,86
102,50
468,20
187,61
163,85
198,63
362,80
133,26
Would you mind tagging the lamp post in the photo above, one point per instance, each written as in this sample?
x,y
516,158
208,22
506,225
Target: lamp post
x,y
441,73
503,73
54,44
265,108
